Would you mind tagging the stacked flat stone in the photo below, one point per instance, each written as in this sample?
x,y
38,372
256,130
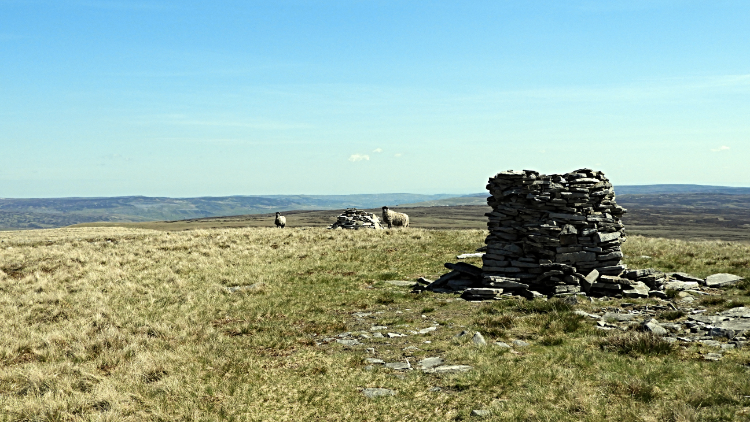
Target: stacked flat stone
x,y
354,219
548,231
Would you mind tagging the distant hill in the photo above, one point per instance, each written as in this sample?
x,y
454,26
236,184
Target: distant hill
x,y
693,195
662,189
37,213
19,214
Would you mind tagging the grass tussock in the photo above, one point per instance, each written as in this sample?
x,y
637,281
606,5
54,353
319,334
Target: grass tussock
x,y
635,343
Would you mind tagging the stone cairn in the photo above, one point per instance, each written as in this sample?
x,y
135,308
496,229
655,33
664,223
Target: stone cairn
x,y
354,219
554,234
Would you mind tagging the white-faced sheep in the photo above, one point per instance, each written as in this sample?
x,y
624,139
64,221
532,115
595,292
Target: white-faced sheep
x,y
393,218
280,220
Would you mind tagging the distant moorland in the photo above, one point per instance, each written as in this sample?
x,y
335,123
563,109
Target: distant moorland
x,y
711,212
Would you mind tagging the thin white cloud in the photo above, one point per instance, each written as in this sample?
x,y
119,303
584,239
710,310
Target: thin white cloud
x,y
721,148
358,157
378,150
397,155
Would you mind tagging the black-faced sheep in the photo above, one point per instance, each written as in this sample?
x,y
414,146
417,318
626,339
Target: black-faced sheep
x,y
393,218
280,220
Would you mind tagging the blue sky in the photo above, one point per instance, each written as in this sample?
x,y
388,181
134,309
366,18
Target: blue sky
x,y
188,98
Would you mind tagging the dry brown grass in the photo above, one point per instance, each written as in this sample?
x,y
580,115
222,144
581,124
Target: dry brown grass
x,y
125,324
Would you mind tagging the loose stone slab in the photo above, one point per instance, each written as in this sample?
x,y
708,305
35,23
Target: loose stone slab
x,y
401,283
427,330
377,392
448,369
478,339
347,342
428,363
480,413
503,345
681,285
373,361
722,280
520,343
712,356
470,255
653,326
612,316
398,366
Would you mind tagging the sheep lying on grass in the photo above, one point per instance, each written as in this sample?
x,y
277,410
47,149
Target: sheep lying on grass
x,y
280,220
393,218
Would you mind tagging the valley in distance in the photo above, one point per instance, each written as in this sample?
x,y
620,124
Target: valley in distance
x,y
688,212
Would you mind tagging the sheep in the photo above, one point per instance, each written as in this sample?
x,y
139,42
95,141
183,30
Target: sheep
x,y
280,220
393,218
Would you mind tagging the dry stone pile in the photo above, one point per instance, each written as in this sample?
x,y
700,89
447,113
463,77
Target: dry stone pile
x,y
549,232
355,219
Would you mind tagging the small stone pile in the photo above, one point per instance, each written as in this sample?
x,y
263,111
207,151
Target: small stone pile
x,y
354,219
548,232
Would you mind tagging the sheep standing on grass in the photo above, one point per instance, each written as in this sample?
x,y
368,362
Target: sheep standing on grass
x,y
394,218
280,220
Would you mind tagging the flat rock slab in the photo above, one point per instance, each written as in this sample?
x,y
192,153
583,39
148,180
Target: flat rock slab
x,y
741,312
480,413
681,285
470,255
722,280
398,366
427,330
347,342
520,343
613,316
503,345
448,369
712,356
377,392
401,283
373,361
428,363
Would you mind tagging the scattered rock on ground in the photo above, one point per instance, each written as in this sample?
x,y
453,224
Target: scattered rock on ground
x,y
377,392
478,339
722,280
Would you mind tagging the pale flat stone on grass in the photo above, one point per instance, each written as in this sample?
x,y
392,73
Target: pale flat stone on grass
x,y
480,413
712,356
722,280
470,255
449,369
378,392
428,363
653,326
398,366
613,316
478,339
427,330
401,283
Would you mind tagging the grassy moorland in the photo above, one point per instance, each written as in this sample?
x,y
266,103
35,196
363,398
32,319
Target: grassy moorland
x,y
134,324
